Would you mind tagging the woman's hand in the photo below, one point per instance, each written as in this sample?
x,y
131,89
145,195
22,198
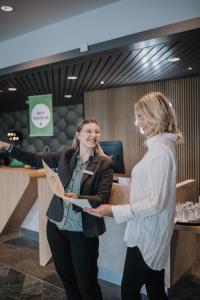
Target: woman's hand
x,y
71,195
4,145
101,211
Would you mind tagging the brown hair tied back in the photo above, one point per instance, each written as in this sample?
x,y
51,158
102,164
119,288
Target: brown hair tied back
x,y
79,127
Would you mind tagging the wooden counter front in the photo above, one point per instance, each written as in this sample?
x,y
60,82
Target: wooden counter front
x,y
120,194
44,197
19,191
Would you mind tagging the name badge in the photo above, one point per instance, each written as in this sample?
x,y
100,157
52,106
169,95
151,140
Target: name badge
x,y
88,172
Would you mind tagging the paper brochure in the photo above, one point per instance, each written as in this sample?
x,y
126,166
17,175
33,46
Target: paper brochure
x,y
57,188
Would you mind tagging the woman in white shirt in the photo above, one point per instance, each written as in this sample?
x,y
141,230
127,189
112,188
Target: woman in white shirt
x,y
150,214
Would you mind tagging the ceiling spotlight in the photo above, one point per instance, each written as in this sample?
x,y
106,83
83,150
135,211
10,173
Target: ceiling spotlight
x,y
7,8
67,96
190,68
173,59
12,89
72,77
102,82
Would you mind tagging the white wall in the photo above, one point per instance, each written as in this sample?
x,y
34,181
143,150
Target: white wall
x,y
31,221
112,21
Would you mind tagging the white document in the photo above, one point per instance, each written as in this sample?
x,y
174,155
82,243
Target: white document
x,y
83,203
58,189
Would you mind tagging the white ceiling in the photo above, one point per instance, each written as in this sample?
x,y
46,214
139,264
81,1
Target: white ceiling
x,y
29,15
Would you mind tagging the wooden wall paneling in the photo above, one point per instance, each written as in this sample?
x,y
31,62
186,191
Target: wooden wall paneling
x,y
113,108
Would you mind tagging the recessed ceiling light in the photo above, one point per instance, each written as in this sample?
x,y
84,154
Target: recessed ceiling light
x,y
7,8
102,82
12,89
1,91
72,77
67,96
173,59
190,68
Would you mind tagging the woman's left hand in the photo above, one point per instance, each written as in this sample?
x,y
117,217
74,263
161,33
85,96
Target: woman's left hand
x,y
71,195
101,211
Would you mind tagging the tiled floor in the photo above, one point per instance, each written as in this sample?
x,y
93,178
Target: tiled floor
x,y
17,285
22,278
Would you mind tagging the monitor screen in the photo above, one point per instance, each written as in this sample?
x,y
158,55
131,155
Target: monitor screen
x,y
114,149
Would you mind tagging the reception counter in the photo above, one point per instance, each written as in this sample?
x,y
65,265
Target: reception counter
x,y
19,191
21,187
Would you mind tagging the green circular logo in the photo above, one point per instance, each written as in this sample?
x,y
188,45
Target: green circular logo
x,y
40,115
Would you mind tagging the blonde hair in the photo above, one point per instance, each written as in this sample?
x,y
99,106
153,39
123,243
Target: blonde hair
x,y
158,110
79,127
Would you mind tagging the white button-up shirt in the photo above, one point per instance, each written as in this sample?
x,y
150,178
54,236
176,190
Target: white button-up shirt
x,y
150,214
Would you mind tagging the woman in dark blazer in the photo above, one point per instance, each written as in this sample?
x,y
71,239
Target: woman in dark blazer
x,y
85,172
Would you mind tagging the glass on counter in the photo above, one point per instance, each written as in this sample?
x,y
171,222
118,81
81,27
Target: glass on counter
x,y
188,212
124,180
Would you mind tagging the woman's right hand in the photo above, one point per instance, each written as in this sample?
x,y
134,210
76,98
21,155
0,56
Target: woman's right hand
x,y
101,211
4,145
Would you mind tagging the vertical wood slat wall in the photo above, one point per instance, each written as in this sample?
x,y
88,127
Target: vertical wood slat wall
x,y
113,109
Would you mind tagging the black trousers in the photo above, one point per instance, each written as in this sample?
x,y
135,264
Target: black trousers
x,y
136,273
75,258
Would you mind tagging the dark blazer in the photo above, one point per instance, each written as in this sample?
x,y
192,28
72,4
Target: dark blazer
x,y
96,188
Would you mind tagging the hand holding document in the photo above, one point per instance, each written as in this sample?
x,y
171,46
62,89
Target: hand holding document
x,y
83,203
57,188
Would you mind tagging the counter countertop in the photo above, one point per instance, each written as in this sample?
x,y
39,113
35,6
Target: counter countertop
x,y
30,172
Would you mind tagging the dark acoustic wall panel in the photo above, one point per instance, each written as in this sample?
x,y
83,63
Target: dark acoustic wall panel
x,y
65,120
113,108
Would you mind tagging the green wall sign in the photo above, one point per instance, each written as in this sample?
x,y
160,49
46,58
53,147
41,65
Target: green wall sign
x,y
40,115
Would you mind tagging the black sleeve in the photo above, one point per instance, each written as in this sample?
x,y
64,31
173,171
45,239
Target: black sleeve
x,y
104,186
35,159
